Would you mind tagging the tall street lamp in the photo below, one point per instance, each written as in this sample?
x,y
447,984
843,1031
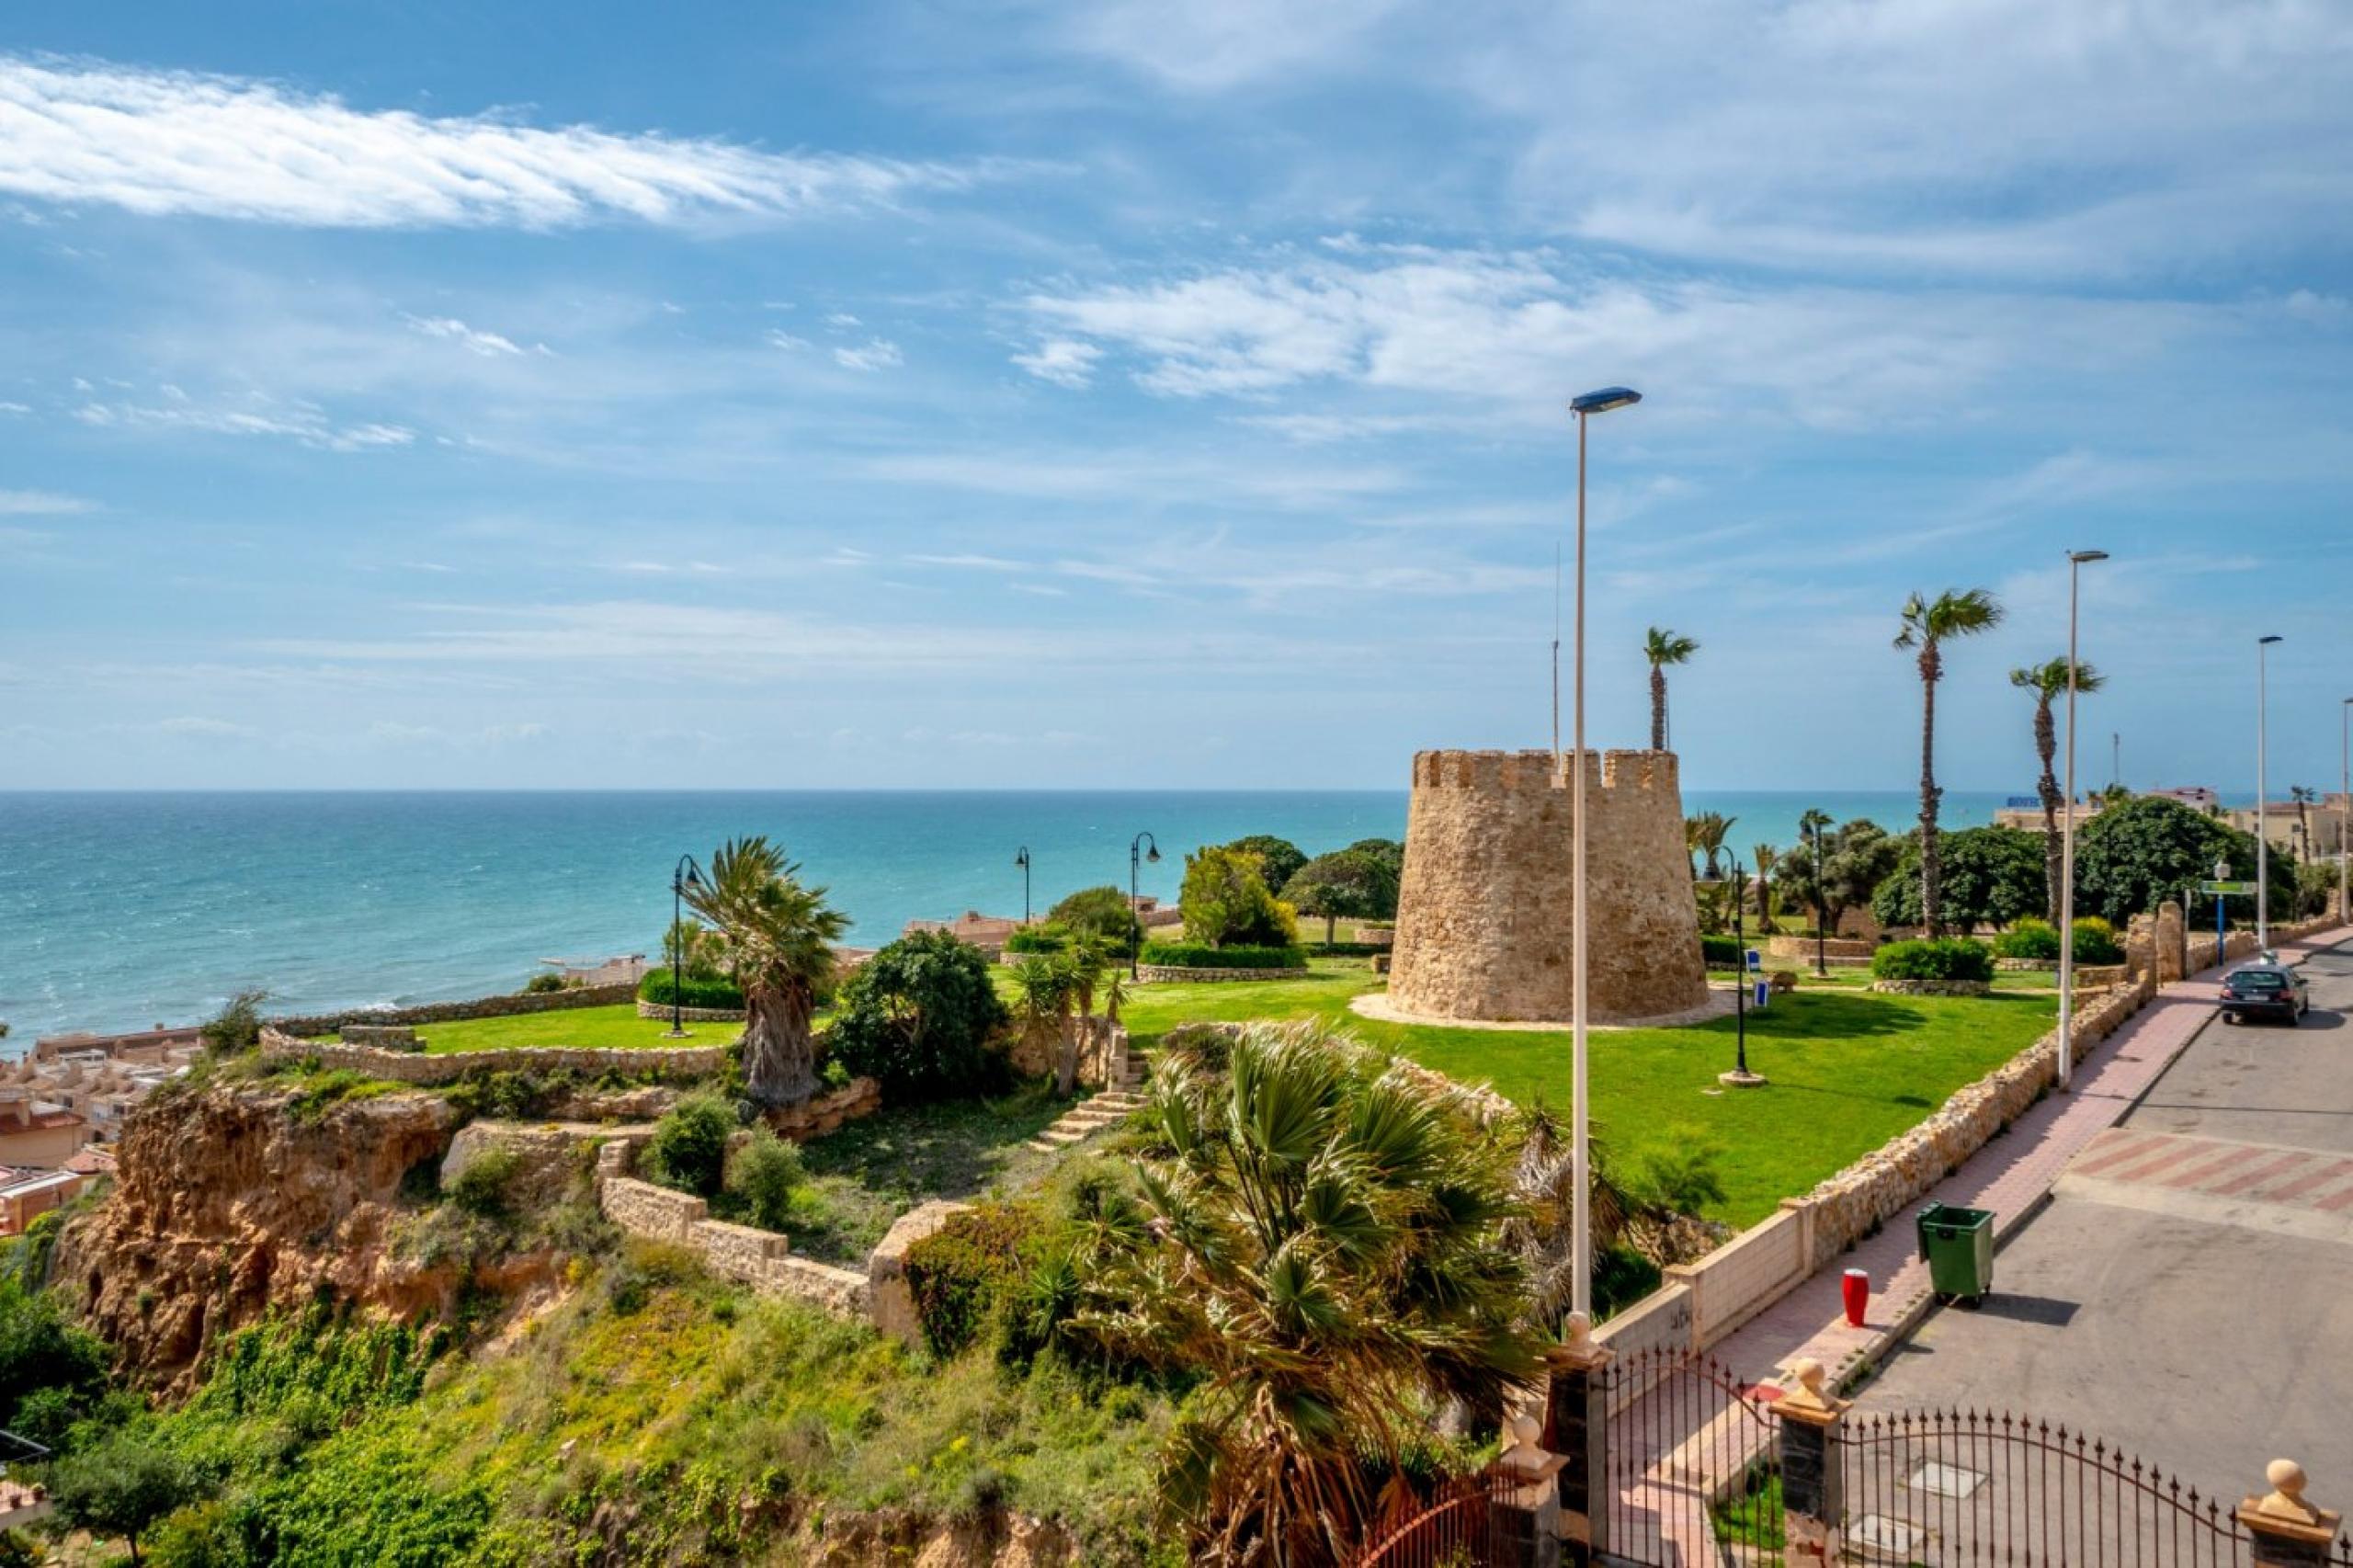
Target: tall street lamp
x,y
1821,908
2075,559
1022,860
2263,794
1581,1173
1137,855
2343,807
683,875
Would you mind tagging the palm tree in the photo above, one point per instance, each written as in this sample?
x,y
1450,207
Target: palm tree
x,y
1663,648
1046,988
1927,624
2048,681
780,935
1766,857
1706,834
2303,795
1814,832
1322,1251
1086,961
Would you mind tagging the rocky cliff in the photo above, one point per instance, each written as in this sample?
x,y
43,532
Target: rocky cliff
x,y
240,1196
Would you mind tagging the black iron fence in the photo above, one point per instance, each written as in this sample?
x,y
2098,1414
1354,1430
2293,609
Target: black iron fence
x,y
1690,1464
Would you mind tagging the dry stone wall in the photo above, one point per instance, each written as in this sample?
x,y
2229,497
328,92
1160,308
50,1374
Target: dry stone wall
x,y
1168,974
506,1006
410,1067
1484,926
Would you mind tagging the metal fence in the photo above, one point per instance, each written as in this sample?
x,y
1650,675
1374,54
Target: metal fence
x,y
1689,1471
1461,1529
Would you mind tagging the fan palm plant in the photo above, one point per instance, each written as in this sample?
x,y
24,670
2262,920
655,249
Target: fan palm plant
x,y
1663,648
1706,834
1323,1247
779,935
1928,624
1045,991
1766,857
2048,682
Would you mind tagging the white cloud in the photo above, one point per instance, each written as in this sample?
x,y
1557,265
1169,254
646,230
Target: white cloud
x,y
1207,45
787,341
301,421
170,141
16,408
203,728
875,354
487,344
41,503
1065,361
842,319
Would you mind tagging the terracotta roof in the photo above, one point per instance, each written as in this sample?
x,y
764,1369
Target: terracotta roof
x,y
92,1159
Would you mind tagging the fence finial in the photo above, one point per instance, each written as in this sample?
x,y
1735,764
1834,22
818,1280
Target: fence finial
x,y
2287,1531
1808,1395
2286,1500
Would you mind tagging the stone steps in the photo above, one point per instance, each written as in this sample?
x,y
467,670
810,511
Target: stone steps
x,y
1088,1118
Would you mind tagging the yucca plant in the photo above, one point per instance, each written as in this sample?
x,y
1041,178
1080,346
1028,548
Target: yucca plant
x,y
1323,1246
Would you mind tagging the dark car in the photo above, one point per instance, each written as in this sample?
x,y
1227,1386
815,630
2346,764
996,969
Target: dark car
x,y
2265,991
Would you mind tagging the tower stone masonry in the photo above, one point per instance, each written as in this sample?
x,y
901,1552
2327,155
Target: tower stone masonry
x,y
1484,922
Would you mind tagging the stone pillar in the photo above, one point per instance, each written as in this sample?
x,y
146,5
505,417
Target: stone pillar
x,y
1813,1500
1577,1428
2285,1530
1524,1506
2173,943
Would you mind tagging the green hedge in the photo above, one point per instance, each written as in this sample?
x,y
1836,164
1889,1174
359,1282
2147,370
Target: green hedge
x,y
1721,952
696,993
2038,940
1200,955
1048,939
1349,949
1949,958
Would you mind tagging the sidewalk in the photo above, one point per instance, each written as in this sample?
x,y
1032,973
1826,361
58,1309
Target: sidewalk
x,y
2012,1175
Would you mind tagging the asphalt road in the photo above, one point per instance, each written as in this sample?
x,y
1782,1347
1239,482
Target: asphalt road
x,y
2188,1294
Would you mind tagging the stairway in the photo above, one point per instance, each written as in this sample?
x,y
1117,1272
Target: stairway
x,y
1115,1102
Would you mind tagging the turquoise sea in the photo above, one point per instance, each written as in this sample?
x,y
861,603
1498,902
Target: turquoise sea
x,y
119,910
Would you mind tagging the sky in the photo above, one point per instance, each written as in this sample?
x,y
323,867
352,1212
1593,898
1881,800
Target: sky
x,y
1107,393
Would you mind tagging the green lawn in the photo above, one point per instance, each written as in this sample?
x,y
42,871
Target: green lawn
x,y
614,1026
1850,1069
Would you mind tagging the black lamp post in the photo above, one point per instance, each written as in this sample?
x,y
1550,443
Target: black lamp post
x,y
684,873
1137,855
1740,962
1821,911
1022,860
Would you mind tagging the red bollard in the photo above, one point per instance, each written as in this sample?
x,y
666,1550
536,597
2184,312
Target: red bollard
x,y
1857,1289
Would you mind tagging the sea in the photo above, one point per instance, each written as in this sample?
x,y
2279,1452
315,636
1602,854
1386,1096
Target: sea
x,y
124,911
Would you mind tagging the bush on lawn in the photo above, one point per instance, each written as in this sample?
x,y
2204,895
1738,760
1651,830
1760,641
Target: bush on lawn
x,y
1944,958
2096,941
1226,903
1102,913
763,1173
688,1150
918,1018
2037,940
1721,952
1200,955
719,993
1049,937
543,982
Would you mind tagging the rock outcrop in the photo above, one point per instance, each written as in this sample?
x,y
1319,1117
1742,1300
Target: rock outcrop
x,y
228,1203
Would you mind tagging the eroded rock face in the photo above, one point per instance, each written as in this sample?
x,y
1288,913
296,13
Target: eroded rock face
x,y
228,1204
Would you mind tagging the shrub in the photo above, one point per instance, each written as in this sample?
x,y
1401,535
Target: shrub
x,y
1945,957
481,1188
541,984
917,1016
1226,903
1051,937
1721,952
956,1273
688,1150
1200,955
721,993
764,1172
2033,938
237,1028
1103,913
2096,941
1278,858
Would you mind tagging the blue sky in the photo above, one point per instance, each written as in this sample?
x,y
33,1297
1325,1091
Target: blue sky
x,y
1100,394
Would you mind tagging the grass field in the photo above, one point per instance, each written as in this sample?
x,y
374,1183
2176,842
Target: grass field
x,y
600,1027
1850,1069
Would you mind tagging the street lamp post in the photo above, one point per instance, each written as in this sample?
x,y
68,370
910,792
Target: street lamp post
x,y
1022,860
1740,962
2075,559
684,874
1821,907
2343,807
2263,794
1137,855
1581,1174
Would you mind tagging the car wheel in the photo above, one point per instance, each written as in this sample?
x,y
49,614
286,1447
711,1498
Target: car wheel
x,y
2230,1017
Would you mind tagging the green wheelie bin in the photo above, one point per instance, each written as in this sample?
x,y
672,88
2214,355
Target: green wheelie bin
x,y
1958,1245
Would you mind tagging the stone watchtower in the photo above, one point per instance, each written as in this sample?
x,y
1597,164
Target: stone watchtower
x,y
1483,916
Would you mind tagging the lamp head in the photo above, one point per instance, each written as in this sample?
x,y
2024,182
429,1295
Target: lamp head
x,y
2267,641
1604,400
2083,555
1153,854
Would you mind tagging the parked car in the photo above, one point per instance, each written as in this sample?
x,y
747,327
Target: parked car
x,y
2265,991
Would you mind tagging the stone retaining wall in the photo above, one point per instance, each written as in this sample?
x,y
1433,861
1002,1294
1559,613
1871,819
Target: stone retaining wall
x,y
1800,949
1161,973
410,1067
1931,987
823,1113
506,1006
692,1015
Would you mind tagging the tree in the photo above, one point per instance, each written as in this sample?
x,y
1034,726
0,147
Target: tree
x,y
917,1016
779,936
1322,1249
1104,911
1813,829
1045,990
1706,832
1993,876
2135,854
47,1360
1388,851
1345,882
2303,795
1663,648
237,1028
2048,682
702,950
1278,858
1856,858
123,1485
1928,624
1226,903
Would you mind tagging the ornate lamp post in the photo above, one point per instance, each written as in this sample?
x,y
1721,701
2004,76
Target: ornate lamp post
x,y
683,875
1583,409
2075,558
1021,858
1137,855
